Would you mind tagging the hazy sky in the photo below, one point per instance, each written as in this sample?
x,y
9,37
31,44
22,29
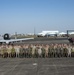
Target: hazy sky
x,y
22,16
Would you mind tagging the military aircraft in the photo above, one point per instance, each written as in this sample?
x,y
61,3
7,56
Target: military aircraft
x,y
48,33
6,39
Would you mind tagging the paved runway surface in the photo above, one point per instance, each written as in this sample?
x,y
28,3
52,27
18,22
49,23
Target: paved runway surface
x,y
36,66
45,41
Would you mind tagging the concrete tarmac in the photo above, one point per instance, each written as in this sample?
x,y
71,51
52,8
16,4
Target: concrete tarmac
x,y
45,41
36,66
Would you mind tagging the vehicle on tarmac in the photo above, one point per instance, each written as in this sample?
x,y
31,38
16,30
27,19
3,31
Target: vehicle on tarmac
x,y
70,35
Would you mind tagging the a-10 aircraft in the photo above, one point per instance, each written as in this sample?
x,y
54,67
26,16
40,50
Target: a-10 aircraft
x,y
6,39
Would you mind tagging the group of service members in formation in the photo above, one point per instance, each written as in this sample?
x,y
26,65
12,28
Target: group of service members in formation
x,y
36,51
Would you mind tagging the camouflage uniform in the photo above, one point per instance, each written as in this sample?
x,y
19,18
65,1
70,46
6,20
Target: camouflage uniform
x,y
13,54
9,51
0,51
55,51
39,52
61,51
24,52
36,53
33,51
43,52
72,52
30,52
52,52
21,52
27,52
17,49
69,51
4,52
49,52
65,52
46,51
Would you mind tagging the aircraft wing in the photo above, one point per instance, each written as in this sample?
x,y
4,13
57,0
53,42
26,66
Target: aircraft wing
x,y
14,40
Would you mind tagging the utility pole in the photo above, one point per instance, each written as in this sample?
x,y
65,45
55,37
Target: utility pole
x,y
15,35
34,31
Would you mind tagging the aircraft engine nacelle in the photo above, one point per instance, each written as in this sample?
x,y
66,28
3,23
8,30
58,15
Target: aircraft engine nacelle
x,y
6,36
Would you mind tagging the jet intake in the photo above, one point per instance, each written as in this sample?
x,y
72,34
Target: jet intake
x,y
6,36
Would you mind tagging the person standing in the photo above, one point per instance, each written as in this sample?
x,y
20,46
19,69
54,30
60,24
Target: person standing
x,y
72,52
33,50
21,51
39,52
69,50
13,52
9,51
17,49
43,52
46,50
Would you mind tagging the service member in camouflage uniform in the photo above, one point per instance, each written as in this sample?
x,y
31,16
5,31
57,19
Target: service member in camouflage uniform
x,y
39,52
69,48
46,50
0,51
72,52
33,50
21,55
4,52
65,51
50,51
17,49
43,52
13,53
9,51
